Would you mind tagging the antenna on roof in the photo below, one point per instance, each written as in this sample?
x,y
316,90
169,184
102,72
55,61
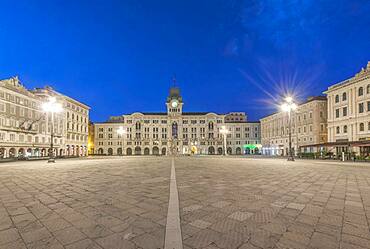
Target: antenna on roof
x,y
174,80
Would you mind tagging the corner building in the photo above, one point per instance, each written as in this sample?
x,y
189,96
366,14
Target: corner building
x,y
349,114
176,132
25,130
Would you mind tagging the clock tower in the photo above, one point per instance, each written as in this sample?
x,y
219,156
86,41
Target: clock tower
x,y
174,102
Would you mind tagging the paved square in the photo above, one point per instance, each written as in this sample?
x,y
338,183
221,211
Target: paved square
x,y
223,202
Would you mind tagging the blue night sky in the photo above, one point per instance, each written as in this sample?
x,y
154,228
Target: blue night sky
x,y
227,55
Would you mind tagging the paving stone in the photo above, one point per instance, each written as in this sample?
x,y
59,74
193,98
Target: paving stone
x,y
357,230
240,216
115,241
296,206
56,224
47,243
354,240
35,235
191,208
18,244
231,240
320,240
83,244
148,241
221,204
202,239
200,224
9,235
69,235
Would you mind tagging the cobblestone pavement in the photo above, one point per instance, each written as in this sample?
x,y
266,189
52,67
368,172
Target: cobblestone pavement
x,y
84,204
115,203
271,203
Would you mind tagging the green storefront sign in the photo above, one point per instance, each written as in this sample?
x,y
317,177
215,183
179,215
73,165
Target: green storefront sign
x,y
250,146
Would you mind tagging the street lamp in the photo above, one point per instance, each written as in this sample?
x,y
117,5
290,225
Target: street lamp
x,y
224,132
52,107
288,107
121,132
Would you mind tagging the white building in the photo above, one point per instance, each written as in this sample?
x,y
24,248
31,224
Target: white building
x,y
349,114
176,132
309,122
25,130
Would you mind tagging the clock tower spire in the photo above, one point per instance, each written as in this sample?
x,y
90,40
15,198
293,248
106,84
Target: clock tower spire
x,y
174,101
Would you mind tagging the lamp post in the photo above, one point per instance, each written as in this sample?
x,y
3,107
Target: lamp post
x,y
52,107
224,132
288,107
121,132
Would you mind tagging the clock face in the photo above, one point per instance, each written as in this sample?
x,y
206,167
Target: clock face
x,y
174,103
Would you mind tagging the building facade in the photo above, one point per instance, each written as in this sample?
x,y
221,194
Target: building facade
x,y
349,114
91,139
309,127
25,129
76,121
176,132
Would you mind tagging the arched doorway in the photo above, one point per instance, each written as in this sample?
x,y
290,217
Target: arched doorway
x,y
238,151
211,150
219,151
247,151
256,151
21,152
2,152
129,151
146,151
119,151
36,152
110,151
43,152
61,152
164,151
137,150
29,152
229,151
100,151
155,150
12,152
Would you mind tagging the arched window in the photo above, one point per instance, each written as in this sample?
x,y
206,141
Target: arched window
x,y
360,91
344,96
138,126
368,89
345,129
174,130
362,127
210,125
338,130
336,98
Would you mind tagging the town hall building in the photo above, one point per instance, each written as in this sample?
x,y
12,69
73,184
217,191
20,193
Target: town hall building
x,y
176,132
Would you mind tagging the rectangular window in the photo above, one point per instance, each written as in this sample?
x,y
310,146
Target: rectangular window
x,y
368,106
337,113
361,107
344,111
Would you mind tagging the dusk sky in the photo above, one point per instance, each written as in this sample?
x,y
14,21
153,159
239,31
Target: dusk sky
x,y
120,56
